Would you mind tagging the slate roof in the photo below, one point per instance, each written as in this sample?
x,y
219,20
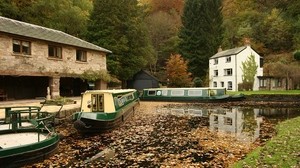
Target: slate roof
x,y
233,51
42,33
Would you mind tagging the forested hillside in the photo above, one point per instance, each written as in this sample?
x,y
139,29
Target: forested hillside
x,y
144,34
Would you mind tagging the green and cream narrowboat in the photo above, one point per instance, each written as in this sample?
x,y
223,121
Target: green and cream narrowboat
x,y
102,110
26,135
186,94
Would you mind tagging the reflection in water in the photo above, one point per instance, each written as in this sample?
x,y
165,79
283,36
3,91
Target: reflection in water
x,y
243,123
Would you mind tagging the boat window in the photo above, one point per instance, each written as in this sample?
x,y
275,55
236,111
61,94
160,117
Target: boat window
x,y
97,103
212,92
151,93
121,101
130,97
164,92
177,92
195,93
158,93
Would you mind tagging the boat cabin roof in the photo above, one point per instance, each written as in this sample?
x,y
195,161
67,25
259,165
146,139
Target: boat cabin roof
x,y
109,91
195,88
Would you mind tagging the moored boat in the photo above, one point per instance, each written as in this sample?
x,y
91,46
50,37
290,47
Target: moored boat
x,y
26,135
187,94
102,110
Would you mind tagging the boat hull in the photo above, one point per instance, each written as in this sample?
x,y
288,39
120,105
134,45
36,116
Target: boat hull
x,y
188,99
99,123
30,153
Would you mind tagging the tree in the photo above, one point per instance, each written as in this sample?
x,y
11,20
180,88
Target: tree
x,y
118,26
69,16
177,71
249,68
201,33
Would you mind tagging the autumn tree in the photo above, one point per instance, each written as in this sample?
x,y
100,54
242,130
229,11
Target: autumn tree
x,y
163,20
201,33
249,68
177,71
118,26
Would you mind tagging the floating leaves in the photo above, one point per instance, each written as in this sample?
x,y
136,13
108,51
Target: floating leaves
x,y
152,139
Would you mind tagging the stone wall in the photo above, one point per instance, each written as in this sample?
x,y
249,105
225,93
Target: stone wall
x,y
39,64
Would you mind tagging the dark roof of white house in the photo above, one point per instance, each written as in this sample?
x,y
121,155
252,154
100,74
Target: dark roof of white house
x,y
42,33
233,51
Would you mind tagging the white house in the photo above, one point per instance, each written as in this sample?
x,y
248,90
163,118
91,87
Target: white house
x,y
225,68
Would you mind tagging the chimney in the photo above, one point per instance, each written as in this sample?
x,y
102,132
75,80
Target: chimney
x,y
247,42
220,49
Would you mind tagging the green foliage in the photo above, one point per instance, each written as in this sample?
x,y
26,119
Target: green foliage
x,y
249,68
92,76
118,26
197,82
69,16
177,73
297,55
162,28
281,151
201,33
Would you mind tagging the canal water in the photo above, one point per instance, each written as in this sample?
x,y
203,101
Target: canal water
x,y
244,123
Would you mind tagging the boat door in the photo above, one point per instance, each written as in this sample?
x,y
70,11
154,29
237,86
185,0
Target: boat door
x,y
97,103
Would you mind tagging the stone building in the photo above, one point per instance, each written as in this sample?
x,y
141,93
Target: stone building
x,y
34,58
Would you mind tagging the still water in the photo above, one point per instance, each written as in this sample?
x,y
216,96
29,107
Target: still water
x,y
244,123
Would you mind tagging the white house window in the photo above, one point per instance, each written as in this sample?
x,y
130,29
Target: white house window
x,y
228,59
229,87
216,73
262,83
21,47
228,72
215,61
222,84
227,121
54,51
215,84
81,56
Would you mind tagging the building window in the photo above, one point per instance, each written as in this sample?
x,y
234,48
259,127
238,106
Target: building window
x,y
262,83
261,62
228,72
277,83
81,56
228,59
227,121
229,87
54,51
216,120
215,84
21,47
216,73
215,61
222,84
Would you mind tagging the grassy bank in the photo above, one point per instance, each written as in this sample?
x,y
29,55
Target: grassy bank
x,y
281,151
268,92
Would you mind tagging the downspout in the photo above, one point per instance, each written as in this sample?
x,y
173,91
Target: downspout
x,y
236,84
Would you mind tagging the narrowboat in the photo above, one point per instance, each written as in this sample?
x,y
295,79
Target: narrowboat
x,y
103,110
187,94
26,135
